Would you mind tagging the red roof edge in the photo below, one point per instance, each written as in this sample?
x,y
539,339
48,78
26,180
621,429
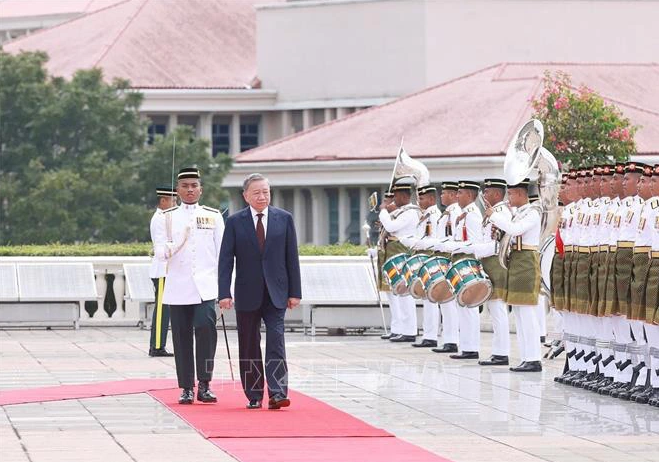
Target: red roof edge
x,y
364,111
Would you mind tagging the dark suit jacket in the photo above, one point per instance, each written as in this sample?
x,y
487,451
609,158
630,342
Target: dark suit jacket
x,y
278,267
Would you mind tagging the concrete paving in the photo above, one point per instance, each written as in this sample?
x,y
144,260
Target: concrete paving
x,y
456,409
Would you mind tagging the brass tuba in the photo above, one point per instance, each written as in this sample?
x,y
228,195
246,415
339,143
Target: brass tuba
x,y
406,166
525,153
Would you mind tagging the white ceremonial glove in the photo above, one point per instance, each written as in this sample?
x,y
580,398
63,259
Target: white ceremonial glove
x,y
372,252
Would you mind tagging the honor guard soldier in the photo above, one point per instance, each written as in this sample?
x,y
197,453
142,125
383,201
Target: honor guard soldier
x,y
399,219
523,272
444,229
494,193
188,238
468,230
427,228
652,295
160,317
640,266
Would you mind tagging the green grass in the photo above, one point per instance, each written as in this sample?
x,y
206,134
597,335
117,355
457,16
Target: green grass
x,y
144,249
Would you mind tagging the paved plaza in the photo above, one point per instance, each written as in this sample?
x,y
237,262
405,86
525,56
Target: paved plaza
x,y
456,409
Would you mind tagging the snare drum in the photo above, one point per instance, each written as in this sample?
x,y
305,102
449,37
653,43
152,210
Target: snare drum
x,y
395,274
433,278
470,284
412,267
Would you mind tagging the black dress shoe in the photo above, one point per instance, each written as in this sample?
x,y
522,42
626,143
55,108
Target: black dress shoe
x,y
388,336
160,352
643,396
528,366
495,360
465,355
254,404
204,393
446,348
543,339
425,343
187,396
606,391
278,402
402,338
654,399
627,394
562,378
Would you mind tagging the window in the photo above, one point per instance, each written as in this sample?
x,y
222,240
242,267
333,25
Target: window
x,y
220,138
354,227
155,129
333,210
297,121
249,132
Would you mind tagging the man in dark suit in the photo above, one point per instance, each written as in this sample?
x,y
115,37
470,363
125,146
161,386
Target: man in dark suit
x,y
262,239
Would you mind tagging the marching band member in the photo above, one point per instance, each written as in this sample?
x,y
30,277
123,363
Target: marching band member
x,y
523,272
399,219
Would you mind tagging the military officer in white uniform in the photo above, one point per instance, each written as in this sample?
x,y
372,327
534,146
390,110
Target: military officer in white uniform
x,y
188,238
400,220
160,317
523,272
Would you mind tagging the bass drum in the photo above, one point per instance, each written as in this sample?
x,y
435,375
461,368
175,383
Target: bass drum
x,y
433,278
412,267
472,287
395,274
547,253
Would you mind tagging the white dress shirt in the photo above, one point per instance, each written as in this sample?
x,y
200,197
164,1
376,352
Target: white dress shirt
x,y
264,219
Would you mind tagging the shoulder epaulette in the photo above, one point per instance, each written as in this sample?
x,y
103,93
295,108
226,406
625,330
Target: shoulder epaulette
x,y
210,208
170,209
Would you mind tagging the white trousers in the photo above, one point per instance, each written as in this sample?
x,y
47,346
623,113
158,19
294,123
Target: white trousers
x,y
470,329
528,336
430,320
652,332
395,313
450,322
407,309
622,334
501,330
541,314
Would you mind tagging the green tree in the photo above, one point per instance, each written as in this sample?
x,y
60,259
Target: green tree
x,y
74,166
581,128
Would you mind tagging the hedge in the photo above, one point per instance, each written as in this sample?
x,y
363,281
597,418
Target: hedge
x,y
144,249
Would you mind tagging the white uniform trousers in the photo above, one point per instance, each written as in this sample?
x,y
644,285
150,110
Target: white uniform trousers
x,y
542,314
501,329
470,329
605,334
407,308
430,320
395,313
639,338
622,334
652,333
528,336
450,322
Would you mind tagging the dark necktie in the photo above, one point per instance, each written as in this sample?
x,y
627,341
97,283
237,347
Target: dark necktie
x,y
260,231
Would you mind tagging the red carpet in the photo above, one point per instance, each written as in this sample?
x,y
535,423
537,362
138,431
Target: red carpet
x,y
307,417
86,390
324,450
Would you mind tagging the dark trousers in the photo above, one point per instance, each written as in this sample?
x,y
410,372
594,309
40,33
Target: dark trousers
x,y
194,323
249,350
159,319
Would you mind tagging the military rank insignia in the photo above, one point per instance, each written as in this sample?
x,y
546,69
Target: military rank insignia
x,y
641,224
616,221
596,219
630,215
656,222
